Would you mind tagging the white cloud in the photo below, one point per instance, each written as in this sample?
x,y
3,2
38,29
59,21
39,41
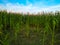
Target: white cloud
x,y
28,8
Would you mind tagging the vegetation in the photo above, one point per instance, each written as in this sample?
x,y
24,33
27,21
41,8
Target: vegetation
x,y
19,29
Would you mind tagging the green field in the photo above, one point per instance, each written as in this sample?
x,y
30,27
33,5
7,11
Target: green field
x,y
19,29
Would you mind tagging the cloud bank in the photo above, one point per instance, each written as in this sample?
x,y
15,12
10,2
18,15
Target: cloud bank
x,y
20,8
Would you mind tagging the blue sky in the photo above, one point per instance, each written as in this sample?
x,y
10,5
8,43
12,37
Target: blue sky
x,y
30,5
25,2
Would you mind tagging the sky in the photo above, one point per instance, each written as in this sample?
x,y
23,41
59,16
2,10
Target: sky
x,y
31,6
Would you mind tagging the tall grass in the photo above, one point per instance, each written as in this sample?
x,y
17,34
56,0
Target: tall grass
x,y
19,29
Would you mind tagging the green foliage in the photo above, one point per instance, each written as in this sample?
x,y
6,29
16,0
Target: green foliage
x,y
19,29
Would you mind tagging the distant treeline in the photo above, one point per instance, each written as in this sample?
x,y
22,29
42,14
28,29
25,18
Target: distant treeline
x,y
19,29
